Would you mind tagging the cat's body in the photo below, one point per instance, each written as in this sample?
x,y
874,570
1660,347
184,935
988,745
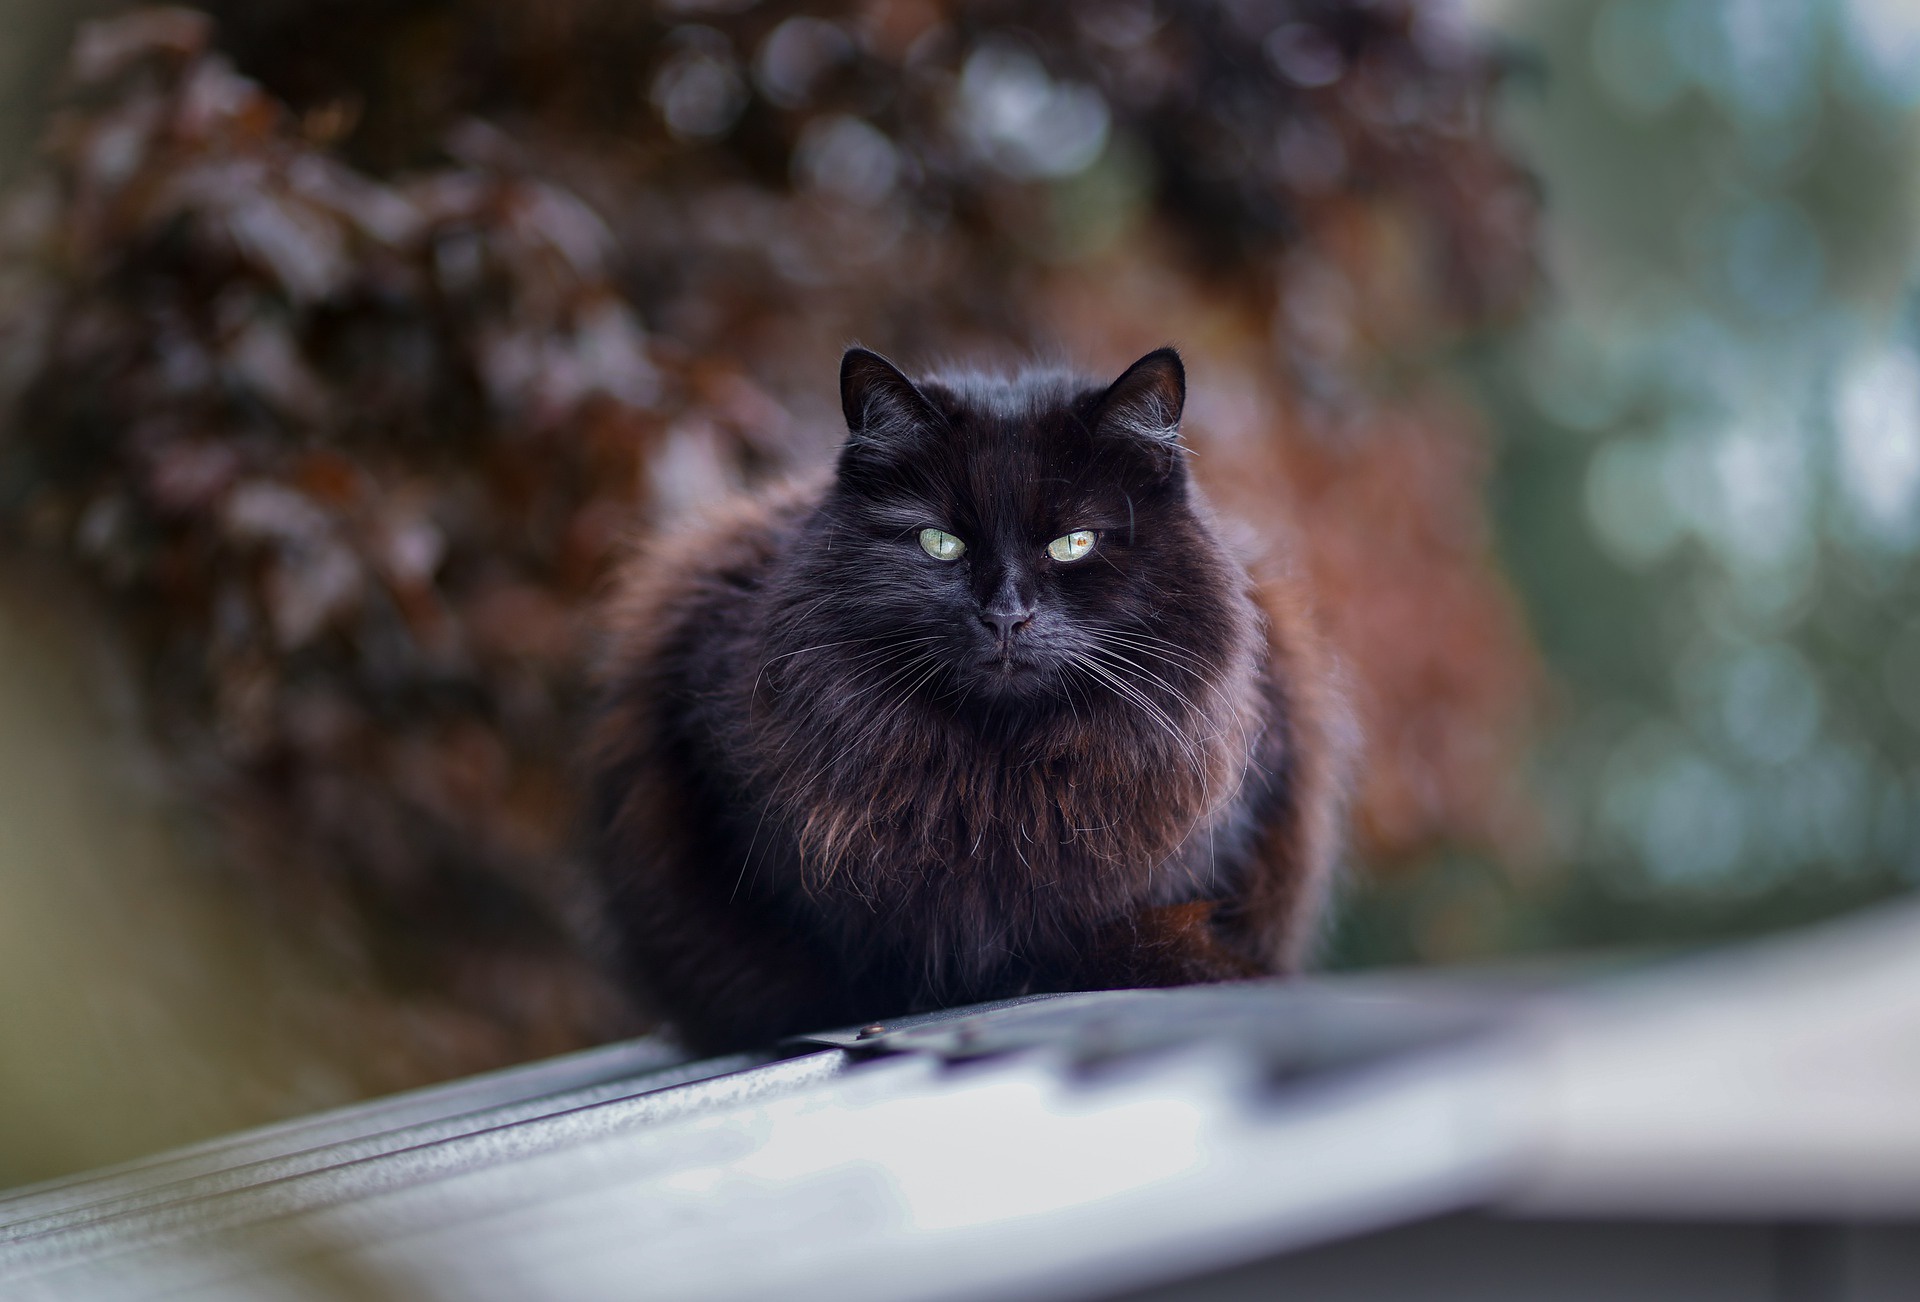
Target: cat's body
x,y
990,710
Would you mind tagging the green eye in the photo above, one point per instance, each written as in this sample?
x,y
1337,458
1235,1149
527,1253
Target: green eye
x,y
941,545
1073,546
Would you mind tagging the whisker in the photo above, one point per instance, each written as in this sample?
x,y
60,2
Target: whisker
x,y
1147,677
1146,640
1120,658
1131,693
894,671
854,660
899,705
899,671
1184,664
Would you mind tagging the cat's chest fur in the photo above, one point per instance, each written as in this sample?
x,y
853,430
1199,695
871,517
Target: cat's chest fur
x,y
889,831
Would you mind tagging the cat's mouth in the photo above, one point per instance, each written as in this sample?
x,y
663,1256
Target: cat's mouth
x,y
1010,668
1008,655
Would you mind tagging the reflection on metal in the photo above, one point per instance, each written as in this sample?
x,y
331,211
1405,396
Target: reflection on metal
x,y
383,1118
1645,1135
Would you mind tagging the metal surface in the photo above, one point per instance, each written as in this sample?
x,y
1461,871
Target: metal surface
x,y
235,1202
356,1163
609,1063
1087,1145
1296,1028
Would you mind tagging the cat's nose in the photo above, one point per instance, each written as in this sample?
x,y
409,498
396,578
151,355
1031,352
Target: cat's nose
x,y
1004,619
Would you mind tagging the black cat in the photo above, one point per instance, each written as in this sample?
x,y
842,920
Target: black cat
x,y
992,709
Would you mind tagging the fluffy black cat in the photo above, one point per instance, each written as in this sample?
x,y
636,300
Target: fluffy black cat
x,y
994,708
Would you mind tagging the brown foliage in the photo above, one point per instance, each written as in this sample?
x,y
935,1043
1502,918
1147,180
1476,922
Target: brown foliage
x,y
348,392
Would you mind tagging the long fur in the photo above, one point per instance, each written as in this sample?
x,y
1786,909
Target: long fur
x,y
825,793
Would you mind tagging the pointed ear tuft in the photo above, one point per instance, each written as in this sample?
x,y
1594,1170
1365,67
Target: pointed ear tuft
x,y
877,400
1147,400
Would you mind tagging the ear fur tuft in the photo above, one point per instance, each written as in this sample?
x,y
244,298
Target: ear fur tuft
x,y
1148,398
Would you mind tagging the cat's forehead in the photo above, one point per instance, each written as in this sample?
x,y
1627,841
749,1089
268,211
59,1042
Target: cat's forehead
x,y
997,457
1006,399
1020,423
1018,445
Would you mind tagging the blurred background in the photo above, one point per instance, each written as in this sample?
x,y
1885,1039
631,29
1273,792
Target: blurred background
x,y
345,343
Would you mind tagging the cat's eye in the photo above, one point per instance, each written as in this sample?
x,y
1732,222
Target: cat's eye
x,y
1071,547
941,545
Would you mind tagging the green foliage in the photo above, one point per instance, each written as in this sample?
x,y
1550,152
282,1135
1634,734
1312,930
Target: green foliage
x,y
1708,489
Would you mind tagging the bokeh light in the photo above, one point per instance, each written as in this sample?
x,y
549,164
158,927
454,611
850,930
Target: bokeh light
x,y
1724,390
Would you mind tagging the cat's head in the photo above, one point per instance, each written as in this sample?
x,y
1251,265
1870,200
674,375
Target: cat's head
x,y
993,542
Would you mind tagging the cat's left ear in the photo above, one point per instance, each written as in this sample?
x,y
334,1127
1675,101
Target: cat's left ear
x,y
1145,403
878,401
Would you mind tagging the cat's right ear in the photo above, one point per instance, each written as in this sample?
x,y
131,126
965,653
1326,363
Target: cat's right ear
x,y
881,405
1146,401
1144,406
